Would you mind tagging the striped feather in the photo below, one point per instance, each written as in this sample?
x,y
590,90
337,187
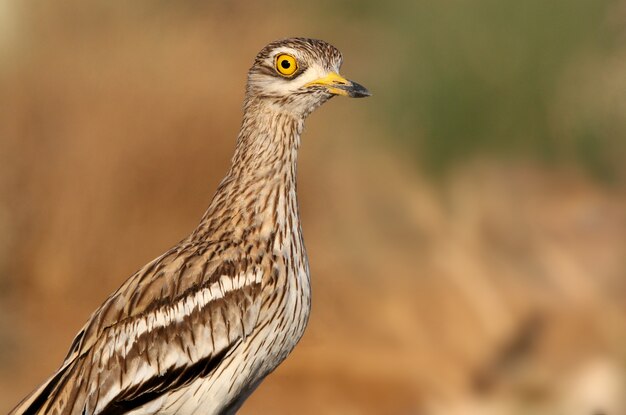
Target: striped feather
x,y
198,328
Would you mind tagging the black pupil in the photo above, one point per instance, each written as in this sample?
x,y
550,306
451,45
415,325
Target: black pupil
x,y
285,64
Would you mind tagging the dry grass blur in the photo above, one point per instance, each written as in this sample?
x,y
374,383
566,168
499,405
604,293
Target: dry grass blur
x,y
498,289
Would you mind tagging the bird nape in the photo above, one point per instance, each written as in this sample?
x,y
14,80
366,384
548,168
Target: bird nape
x,y
198,328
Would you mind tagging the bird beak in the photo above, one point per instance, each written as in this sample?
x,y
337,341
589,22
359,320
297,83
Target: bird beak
x,y
338,85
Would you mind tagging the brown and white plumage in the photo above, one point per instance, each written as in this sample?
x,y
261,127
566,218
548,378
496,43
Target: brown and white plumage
x,y
198,328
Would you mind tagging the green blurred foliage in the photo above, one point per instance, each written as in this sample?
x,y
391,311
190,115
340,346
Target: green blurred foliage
x,y
469,78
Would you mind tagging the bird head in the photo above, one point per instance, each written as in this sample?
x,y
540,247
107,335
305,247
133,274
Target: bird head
x,y
298,75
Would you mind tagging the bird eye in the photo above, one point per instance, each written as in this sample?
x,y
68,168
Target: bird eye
x,y
286,65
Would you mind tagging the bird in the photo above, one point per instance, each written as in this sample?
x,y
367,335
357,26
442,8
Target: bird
x,y
196,330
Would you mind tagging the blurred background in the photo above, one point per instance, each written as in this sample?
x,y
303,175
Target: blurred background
x,y
466,225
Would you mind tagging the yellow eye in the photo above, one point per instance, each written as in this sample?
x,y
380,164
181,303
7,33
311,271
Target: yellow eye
x,y
286,65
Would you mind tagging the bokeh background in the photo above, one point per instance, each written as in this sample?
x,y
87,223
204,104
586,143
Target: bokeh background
x,y
466,225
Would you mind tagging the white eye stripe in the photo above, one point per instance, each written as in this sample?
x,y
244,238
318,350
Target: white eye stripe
x,y
284,50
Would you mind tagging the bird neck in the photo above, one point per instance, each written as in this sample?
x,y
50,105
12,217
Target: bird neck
x,y
258,195
268,142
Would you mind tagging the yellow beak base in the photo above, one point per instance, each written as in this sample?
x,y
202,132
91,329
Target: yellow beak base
x,y
338,85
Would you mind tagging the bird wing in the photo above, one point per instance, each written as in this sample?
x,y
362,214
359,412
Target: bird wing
x,y
170,323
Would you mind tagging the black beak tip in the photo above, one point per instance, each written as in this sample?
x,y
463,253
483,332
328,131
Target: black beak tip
x,y
358,91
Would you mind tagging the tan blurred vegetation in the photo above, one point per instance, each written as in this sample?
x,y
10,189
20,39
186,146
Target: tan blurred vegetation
x,y
495,288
